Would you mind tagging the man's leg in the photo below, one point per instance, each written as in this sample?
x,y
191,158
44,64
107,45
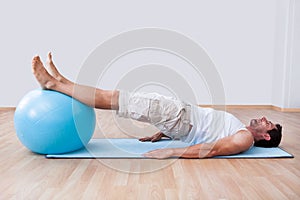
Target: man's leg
x,y
91,96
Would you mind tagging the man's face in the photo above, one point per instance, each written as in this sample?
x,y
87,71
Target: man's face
x,y
262,125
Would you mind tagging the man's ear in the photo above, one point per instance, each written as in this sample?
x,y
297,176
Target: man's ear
x,y
267,136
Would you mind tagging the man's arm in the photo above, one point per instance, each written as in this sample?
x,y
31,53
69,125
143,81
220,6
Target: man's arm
x,y
234,144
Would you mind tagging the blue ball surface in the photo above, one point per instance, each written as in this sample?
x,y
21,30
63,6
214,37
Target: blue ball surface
x,y
49,122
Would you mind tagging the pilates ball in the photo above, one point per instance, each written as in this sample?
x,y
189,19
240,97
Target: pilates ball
x,y
49,122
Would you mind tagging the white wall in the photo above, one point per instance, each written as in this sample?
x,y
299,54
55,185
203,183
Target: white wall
x,y
238,35
286,83
294,93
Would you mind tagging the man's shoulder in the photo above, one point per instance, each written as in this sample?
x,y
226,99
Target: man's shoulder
x,y
244,137
244,133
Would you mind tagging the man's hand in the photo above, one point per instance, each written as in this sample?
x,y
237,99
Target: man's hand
x,y
154,138
159,153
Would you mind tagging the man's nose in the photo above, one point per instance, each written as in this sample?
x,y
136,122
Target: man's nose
x,y
264,119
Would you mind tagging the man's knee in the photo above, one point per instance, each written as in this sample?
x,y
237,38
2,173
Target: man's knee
x,y
115,99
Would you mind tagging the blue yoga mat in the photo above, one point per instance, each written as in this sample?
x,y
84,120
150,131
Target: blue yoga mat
x,y
132,148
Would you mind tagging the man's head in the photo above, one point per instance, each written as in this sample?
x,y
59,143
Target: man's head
x,y
265,133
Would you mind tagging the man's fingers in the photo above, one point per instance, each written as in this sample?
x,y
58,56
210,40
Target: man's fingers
x,y
142,139
145,139
158,153
156,138
153,138
150,154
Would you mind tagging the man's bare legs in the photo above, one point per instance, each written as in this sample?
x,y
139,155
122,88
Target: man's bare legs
x,y
91,96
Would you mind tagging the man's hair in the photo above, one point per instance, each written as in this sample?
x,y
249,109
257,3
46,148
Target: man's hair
x,y
275,135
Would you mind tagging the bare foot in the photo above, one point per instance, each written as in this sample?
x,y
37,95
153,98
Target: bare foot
x,y
53,70
42,76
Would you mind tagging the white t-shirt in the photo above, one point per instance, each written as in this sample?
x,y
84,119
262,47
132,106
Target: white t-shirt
x,y
210,125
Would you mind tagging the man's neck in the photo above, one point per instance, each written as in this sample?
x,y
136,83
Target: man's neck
x,y
254,134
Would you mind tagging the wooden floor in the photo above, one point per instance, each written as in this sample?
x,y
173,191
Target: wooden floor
x,y
24,175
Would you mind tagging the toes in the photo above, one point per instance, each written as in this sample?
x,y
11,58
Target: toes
x,y
52,68
49,57
35,62
50,61
36,58
37,65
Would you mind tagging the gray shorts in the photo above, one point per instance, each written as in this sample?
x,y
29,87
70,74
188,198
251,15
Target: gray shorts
x,y
169,115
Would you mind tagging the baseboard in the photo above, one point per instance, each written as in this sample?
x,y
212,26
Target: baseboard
x,y
7,108
286,109
271,107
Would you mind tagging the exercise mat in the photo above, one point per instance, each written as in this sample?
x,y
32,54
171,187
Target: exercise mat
x,y
133,148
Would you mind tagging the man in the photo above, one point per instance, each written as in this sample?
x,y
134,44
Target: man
x,y
210,132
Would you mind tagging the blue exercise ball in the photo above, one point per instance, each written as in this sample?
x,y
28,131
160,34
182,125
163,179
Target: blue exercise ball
x,y
49,122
